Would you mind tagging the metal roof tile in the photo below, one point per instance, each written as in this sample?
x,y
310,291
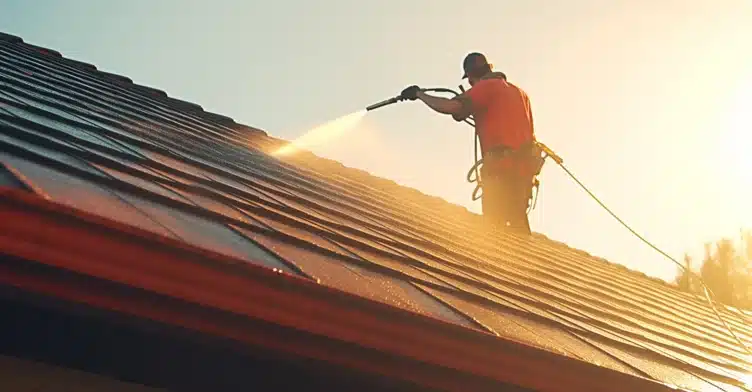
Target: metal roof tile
x,y
351,231
353,279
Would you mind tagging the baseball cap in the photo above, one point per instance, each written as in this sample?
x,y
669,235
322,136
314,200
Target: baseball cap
x,y
473,61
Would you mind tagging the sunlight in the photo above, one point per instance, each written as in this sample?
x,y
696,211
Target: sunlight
x,y
747,380
325,133
739,135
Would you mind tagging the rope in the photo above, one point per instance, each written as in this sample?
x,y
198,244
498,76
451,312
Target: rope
x,y
475,169
549,153
706,290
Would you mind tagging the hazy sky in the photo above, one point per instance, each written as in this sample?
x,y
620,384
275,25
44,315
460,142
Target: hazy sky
x,y
648,101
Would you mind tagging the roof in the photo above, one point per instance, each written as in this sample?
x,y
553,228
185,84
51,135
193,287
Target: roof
x,y
97,148
23,375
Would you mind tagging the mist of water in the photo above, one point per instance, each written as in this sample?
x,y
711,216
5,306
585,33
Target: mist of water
x,y
324,133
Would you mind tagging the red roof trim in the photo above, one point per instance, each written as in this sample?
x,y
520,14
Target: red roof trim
x,y
32,228
25,182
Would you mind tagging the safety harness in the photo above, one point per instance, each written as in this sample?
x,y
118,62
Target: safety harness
x,y
537,153
534,153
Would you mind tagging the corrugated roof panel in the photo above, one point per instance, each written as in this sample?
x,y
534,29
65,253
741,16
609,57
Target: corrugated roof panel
x,y
313,213
13,54
210,204
526,330
246,180
406,294
26,130
392,262
13,140
304,235
329,193
484,295
10,38
591,279
350,221
171,177
65,96
665,356
89,197
598,308
138,116
152,108
201,232
667,374
78,124
109,159
9,179
149,186
237,190
25,62
84,195
558,288
177,165
43,50
348,277
304,203
52,125
653,333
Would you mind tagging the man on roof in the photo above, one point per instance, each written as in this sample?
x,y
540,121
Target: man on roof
x,y
504,123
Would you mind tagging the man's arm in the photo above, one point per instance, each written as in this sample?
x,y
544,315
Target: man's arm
x,y
440,104
461,106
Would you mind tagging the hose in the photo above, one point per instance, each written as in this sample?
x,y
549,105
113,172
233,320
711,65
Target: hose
x,y
475,169
706,290
549,153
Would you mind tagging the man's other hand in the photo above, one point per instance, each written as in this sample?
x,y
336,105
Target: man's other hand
x,y
410,93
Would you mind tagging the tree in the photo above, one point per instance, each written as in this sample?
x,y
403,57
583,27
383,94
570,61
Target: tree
x,y
743,277
717,270
686,278
726,269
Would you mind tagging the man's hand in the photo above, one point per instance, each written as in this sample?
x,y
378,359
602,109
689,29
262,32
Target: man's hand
x,y
438,104
410,93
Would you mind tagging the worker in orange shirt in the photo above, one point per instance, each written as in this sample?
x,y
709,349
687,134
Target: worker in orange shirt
x,y
504,123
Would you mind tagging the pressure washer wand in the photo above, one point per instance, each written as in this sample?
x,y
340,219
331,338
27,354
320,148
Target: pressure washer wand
x,y
398,98
384,103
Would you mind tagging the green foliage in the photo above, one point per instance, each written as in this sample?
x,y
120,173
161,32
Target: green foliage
x,y
726,269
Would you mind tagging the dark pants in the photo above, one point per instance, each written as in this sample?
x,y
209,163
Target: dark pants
x,y
506,196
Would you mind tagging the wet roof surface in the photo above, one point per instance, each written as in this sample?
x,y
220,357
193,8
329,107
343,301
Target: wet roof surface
x,y
98,142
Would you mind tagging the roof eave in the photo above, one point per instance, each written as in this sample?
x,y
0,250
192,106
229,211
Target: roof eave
x,y
435,353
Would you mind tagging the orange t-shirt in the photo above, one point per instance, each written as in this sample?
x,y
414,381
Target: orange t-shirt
x,y
501,112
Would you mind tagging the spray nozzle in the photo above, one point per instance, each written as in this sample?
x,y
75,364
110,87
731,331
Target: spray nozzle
x,y
399,98
384,103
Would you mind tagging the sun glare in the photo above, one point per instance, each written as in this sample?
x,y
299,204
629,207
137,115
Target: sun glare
x,y
739,133
747,380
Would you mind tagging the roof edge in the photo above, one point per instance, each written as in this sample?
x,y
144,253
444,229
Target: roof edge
x,y
435,348
127,83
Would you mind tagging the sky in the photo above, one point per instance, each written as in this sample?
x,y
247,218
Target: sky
x,y
649,102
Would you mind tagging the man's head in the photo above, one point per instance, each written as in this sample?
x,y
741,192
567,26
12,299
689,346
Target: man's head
x,y
475,66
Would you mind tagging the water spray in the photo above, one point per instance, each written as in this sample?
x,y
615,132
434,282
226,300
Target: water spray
x,y
323,133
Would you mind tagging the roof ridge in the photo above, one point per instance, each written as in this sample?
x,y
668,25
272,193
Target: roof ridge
x,y
190,108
